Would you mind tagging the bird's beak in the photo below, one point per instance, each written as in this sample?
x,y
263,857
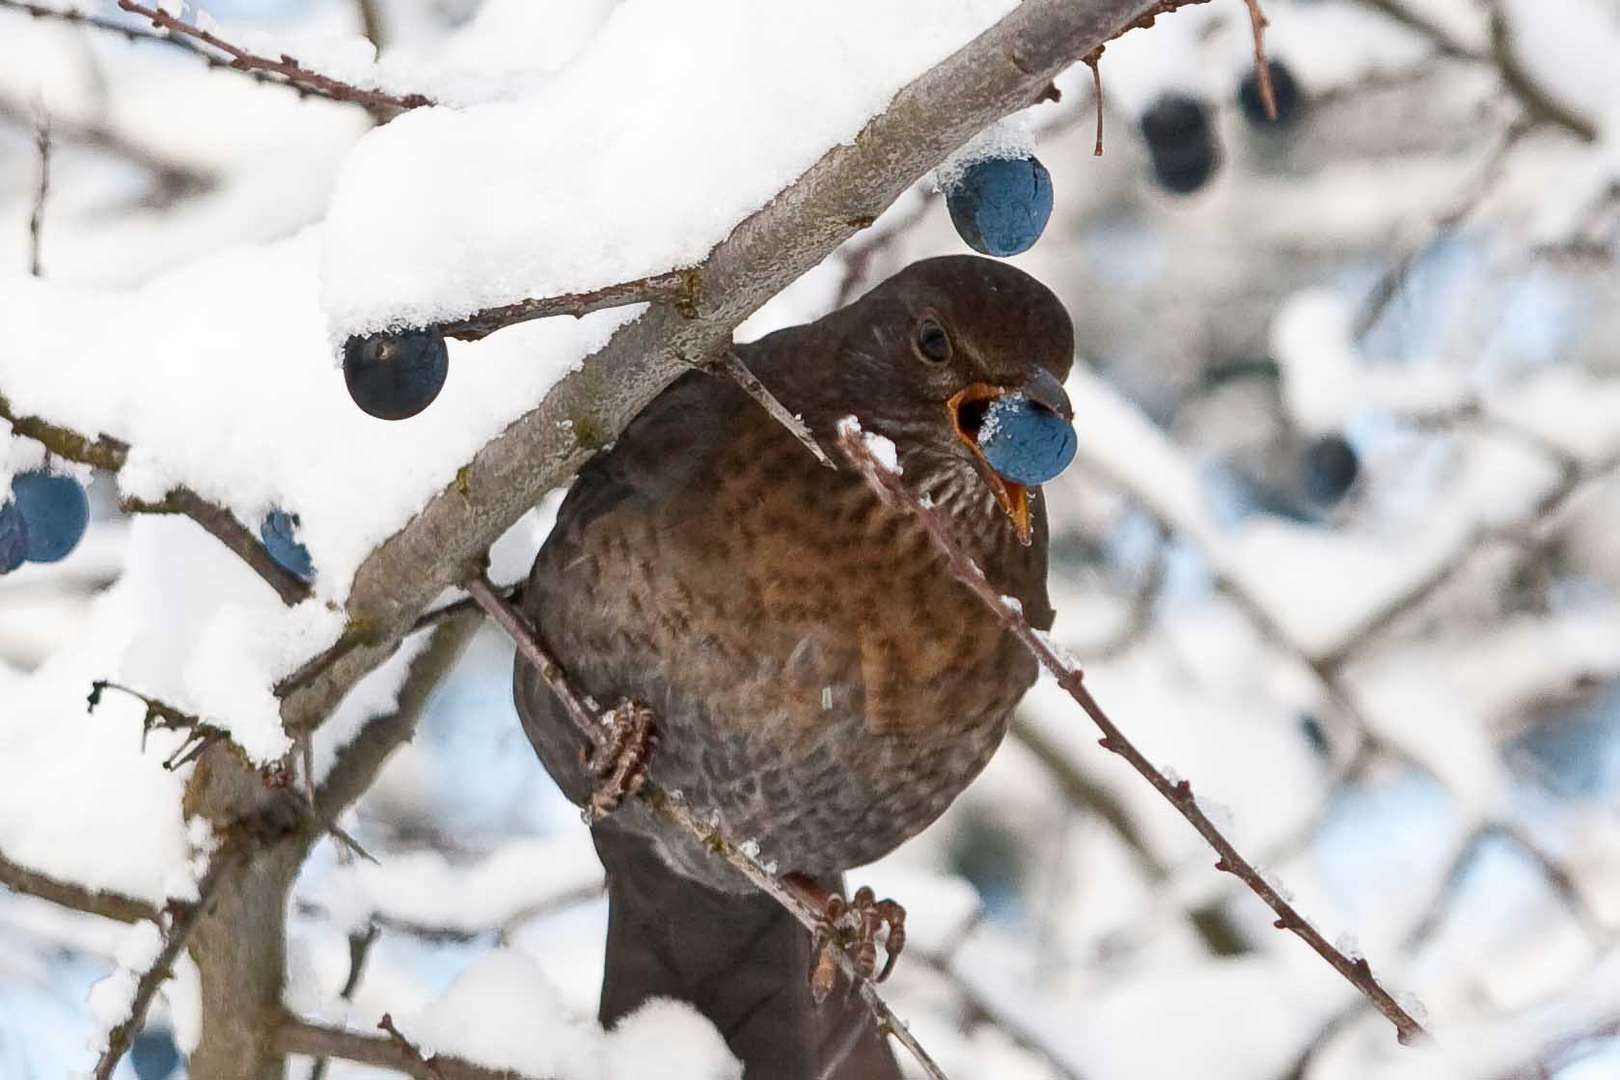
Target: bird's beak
x,y
968,409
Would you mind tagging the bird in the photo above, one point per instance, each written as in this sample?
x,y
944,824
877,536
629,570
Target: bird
x,y
818,682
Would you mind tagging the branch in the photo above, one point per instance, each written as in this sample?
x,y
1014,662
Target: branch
x,y
1003,70
675,812
1178,793
1536,99
190,38
296,75
36,219
1262,68
730,365
105,452
1438,36
226,862
295,1036
222,525
682,288
173,178
109,905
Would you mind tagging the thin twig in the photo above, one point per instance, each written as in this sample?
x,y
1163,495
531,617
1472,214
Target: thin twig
x,y
1093,60
408,1048
1178,793
1262,66
36,220
109,905
371,23
185,917
295,74
1536,99
730,364
681,289
360,943
222,525
676,812
294,1036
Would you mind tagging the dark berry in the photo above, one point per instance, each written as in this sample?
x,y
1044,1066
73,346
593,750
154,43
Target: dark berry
x,y
395,375
154,1055
13,538
1284,88
1181,141
1331,466
56,511
1024,442
279,531
1000,206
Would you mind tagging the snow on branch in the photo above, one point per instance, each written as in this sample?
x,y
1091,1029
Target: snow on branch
x,y
393,1051
891,488
20,879
110,454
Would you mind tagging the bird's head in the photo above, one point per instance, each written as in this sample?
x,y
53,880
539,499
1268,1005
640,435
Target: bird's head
x,y
961,361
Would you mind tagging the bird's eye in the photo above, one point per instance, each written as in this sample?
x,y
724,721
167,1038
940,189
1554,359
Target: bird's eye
x,y
933,344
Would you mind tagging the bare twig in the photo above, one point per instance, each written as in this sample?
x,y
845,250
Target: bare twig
x,y
288,69
1178,793
360,943
295,1036
674,811
192,39
1262,67
109,905
36,220
1438,36
371,23
171,177
1093,60
1541,104
682,289
222,525
226,862
728,363
412,1053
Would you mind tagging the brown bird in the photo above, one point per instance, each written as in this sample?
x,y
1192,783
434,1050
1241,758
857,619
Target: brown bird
x,y
817,678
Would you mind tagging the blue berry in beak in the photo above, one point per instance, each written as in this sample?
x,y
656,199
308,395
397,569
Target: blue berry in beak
x,y
1024,442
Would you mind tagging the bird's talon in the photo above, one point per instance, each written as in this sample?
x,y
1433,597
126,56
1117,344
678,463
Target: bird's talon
x,y
852,925
620,763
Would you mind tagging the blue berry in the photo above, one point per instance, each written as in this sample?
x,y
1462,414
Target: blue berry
x,y
393,376
1000,206
1024,442
154,1055
279,531
56,511
1331,466
1181,142
13,538
1284,88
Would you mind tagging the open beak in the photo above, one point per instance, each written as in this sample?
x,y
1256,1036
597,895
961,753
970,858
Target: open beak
x,y
968,409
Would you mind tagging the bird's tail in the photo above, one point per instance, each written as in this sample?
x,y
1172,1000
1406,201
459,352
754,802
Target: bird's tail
x,y
740,959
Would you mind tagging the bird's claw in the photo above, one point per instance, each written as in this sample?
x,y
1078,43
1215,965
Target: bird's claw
x,y
853,925
619,764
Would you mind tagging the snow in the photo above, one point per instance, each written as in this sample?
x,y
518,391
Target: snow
x,y
576,185
502,1013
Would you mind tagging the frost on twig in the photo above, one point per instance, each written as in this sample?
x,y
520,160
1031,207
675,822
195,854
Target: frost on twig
x,y
892,489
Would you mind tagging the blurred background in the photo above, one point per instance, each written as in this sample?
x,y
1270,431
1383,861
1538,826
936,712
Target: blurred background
x,y
1342,546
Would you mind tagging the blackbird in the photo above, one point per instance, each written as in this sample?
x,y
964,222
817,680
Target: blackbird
x,y
816,677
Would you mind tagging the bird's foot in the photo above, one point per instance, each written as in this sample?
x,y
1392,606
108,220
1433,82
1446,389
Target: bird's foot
x,y
619,765
852,925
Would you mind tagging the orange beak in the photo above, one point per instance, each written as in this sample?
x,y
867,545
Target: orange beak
x,y
967,409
